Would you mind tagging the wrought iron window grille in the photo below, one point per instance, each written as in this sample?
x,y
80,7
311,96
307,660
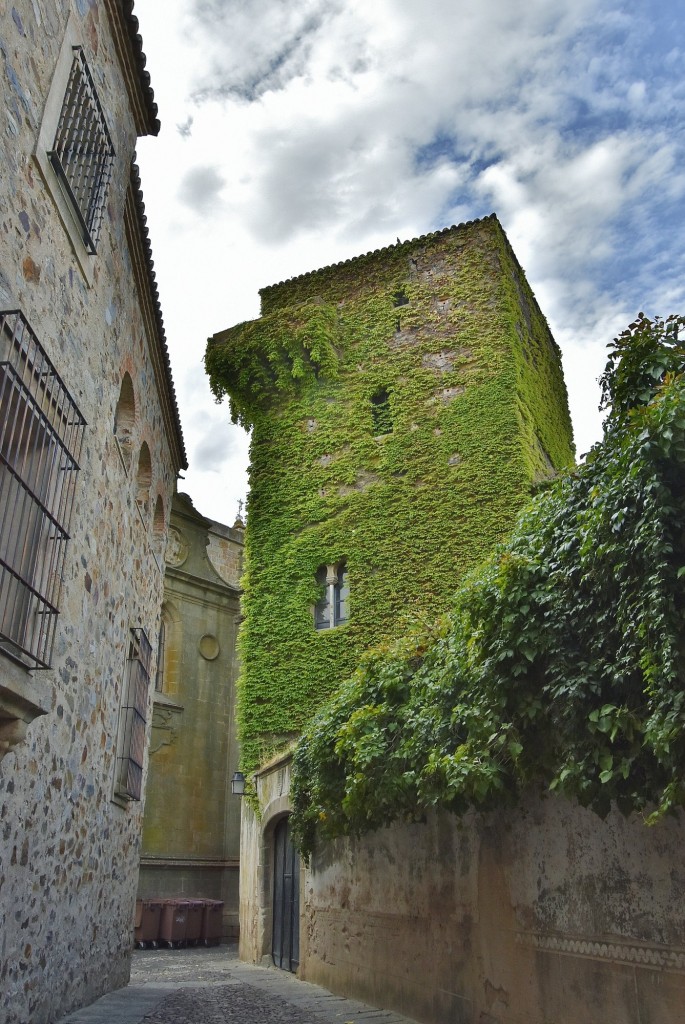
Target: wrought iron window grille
x,y
131,746
41,433
82,155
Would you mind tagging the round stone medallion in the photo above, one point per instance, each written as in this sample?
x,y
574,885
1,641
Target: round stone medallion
x,y
177,547
209,647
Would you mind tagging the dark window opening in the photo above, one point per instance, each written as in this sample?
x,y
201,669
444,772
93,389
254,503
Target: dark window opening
x,y
82,154
400,298
161,655
41,432
380,412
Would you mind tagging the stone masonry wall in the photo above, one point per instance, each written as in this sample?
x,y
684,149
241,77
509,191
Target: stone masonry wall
x,y
540,914
543,914
68,852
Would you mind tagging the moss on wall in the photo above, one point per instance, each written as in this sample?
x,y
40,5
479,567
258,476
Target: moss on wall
x,y
447,325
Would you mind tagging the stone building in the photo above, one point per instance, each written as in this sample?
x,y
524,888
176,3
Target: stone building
x,y
90,447
403,404
191,826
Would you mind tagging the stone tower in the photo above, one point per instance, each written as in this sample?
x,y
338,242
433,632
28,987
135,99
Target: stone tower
x,y
403,404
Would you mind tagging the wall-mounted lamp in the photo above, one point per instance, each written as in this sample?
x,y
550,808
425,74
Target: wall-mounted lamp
x,y
238,784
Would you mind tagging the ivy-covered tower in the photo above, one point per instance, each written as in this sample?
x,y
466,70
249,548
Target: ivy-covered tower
x,y
402,405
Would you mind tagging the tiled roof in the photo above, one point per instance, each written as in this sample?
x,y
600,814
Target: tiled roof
x,y
140,59
157,309
377,252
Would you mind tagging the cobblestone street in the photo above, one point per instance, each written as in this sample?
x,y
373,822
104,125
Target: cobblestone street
x,y
211,986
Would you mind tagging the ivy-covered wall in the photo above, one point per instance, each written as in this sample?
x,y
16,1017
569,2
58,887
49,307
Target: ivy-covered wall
x,y
447,326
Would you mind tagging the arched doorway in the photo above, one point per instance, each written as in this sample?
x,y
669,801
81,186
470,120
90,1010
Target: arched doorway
x,y
285,938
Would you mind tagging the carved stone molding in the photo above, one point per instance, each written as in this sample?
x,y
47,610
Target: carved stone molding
x,y
663,957
177,547
166,722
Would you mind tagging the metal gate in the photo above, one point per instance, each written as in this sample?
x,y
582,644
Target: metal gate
x,y
285,941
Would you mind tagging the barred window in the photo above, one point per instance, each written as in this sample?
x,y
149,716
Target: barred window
x,y
41,432
131,744
82,153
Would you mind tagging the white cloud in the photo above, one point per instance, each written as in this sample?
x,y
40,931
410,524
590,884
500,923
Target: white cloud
x,y
320,129
200,189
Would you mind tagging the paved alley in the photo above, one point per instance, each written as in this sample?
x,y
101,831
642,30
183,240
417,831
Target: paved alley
x,y
211,986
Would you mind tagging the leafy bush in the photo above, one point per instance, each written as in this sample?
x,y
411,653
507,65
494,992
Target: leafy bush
x,y
561,660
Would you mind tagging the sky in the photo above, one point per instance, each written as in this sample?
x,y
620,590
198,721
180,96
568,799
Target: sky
x,y
299,133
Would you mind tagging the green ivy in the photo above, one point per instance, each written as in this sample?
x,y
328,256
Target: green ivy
x,y
561,660
476,416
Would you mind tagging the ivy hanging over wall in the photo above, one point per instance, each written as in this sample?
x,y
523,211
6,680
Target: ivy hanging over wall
x,y
561,661
403,405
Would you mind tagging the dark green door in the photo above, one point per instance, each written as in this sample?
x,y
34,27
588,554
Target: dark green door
x,y
285,943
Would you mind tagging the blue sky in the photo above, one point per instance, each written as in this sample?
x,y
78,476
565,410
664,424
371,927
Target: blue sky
x,y
299,133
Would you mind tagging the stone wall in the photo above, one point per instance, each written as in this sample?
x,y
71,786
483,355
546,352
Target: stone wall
x,y
69,849
191,830
542,914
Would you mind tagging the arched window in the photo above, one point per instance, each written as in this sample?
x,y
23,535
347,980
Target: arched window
x,y
158,519
125,419
125,413
143,476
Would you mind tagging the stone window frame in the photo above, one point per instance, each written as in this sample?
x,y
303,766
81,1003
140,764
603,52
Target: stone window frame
x,y
331,610
82,153
63,198
128,779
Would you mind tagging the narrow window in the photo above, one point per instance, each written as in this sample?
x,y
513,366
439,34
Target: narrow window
x,y
161,655
143,477
158,519
82,153
341,596
332,607
131,745
380,412
125,420
400,298
41,432
322,609
125,413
